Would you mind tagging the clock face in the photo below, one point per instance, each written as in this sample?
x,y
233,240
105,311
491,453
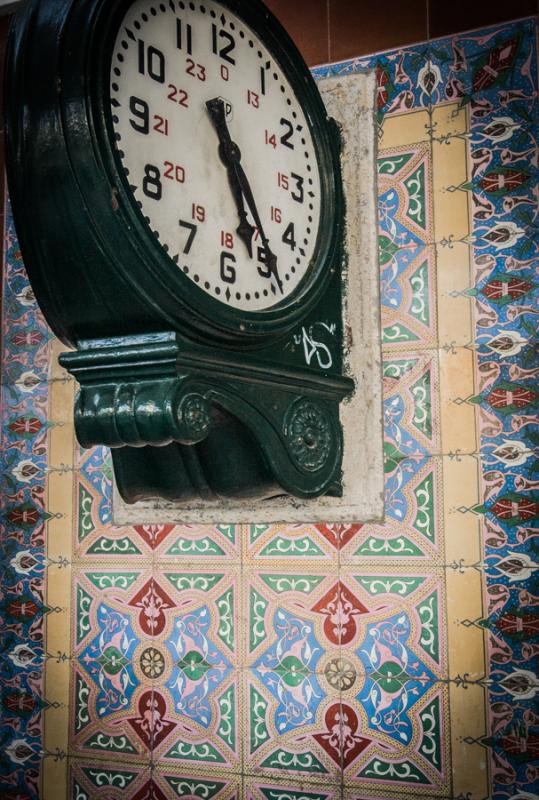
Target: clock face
x,y
217,150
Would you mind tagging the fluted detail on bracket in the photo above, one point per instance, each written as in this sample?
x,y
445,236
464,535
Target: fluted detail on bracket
x,y
131,394
140,414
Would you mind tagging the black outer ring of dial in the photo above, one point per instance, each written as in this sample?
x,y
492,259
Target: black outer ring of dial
x,y
60,133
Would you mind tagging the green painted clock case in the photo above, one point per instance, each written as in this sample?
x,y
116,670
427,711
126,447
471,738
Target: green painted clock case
x,y
146,337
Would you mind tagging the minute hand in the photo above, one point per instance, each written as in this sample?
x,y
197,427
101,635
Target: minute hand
x,y
246,189
231,155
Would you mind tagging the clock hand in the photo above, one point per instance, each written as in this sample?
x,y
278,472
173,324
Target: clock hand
x,y
271,258
230,154
227,150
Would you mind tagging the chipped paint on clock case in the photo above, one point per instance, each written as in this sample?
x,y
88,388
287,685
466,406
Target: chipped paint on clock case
x,y
319,661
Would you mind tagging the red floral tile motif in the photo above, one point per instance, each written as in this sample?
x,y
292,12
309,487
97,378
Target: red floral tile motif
x,y
341,738
340,608
150,725
338,535
153,535
153,602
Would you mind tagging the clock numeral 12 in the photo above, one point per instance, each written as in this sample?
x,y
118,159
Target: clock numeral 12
x,y
223,52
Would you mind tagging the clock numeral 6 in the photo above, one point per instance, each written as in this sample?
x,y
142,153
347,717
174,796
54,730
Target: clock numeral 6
x,y
151,185
228,272
151,61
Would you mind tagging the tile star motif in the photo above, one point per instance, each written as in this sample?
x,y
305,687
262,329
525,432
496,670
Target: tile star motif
x,y
200,667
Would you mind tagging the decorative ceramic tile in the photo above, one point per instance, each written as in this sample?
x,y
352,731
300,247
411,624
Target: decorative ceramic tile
x,y
317,661
298,544
96,536
273,790
116,614
168,784
414,525
92,780
196,683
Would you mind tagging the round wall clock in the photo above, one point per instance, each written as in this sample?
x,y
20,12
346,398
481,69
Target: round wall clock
x,y
176,188
218,152
188,138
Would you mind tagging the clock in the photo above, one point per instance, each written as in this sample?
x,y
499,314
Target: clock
x,y
218,151
176,188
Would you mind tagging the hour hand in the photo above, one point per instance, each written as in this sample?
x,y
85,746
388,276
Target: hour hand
x,y
230,155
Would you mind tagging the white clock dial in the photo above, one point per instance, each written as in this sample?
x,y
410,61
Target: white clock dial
x,y
197,177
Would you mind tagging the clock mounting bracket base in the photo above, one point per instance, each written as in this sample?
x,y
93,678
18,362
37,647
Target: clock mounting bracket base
x,y
189,424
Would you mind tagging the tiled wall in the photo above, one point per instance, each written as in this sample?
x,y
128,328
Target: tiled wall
x,y
332,30
327,662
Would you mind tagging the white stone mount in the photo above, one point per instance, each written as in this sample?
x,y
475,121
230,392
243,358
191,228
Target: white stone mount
x,y
351,101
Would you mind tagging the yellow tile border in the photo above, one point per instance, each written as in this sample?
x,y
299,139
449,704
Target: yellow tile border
x,y
58,584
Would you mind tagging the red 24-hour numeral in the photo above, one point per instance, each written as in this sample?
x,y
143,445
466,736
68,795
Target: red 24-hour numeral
x,y
253,99
174,172
198,213
178,96
227,240
160,125
196,70
283,181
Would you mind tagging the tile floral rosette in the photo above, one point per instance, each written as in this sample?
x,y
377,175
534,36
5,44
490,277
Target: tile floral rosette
x,y
316,661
